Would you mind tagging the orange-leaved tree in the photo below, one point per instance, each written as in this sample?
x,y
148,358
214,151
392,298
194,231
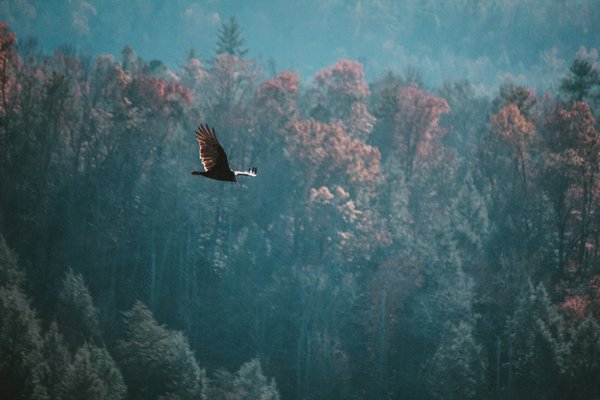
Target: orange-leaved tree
x,y
570,180
513,130
337,88
416,131
337,181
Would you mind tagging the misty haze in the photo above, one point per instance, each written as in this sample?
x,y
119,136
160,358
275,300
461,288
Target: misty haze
x,y
420,215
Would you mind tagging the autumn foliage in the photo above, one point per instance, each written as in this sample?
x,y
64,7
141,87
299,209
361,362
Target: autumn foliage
x,y
396,243
7,56
326,155
416,130
513,130
339,86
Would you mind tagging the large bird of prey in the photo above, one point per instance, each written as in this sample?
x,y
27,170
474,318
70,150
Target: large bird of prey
x,y
214,158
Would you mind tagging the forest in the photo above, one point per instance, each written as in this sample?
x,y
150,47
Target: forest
x,y
399,241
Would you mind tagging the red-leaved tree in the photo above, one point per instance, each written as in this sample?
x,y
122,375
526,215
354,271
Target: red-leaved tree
x,y
570,180
337,177
416,130
338,87
512,129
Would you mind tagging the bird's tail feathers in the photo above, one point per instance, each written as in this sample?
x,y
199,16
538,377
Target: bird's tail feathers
x,y
250,172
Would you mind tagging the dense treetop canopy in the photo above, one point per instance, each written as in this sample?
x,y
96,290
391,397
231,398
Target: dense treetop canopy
x,y
405,239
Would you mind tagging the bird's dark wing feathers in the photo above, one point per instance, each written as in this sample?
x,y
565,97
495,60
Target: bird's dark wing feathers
x,y
211,151
250,172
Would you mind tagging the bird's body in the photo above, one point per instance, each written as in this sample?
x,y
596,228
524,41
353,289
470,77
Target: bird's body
x,y
214,158
228,177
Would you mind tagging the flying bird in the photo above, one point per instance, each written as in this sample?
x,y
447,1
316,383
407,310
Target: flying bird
x,y
214,158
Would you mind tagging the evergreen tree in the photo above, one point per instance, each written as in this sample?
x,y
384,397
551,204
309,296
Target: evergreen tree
x,y
248,383
229,41
580,81
156,361
76,314
130,61
412,75
21,363
584,361
221,386
469,217
158,69
521,96
10,273
467,118
537,348
458,368
56,354
251,384
93,375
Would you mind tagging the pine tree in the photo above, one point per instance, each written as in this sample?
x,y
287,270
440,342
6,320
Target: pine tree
x,y
248,383
221,386
157,361
412,75
93,375
229,41
130,61
467,118
10,273
580,81
469,217
584,360
76,314
521,96
158,69
457,370
251,384
21,363
56,354
537,348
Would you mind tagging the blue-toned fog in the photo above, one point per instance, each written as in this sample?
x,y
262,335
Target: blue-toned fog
x,y
424,224
481,40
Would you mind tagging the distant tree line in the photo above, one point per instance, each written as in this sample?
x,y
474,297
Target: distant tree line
x,y
396,243
482,40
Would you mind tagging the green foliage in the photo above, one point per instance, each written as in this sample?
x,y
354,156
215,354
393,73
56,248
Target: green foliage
x,y
251,384
374,255
229,41
582,79
458,368
467,119
158,69
93,375
76,314
21,364
56,354
469,217
130,61
156,361
538,348
248,383
412,75
521,96
395,203
10,273
583,368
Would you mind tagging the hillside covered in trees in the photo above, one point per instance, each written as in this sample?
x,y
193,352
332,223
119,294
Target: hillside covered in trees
x,y
481,40
399,241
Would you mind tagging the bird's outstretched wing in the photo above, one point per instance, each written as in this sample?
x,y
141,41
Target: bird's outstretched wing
x,y
250,172
211,151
